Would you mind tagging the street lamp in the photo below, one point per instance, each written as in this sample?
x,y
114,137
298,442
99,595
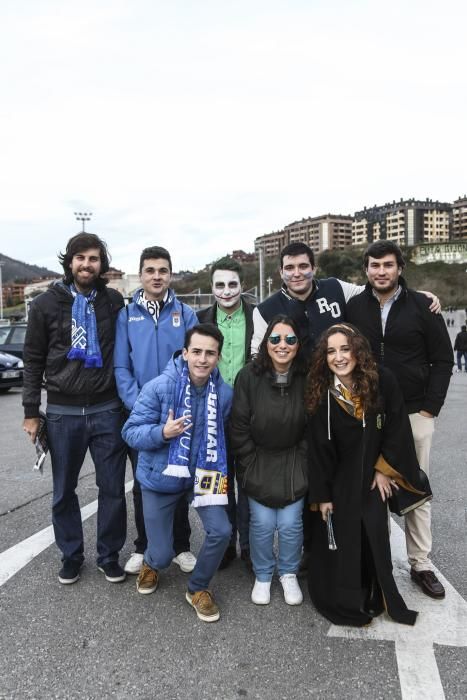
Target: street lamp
x,y
269,281
83,216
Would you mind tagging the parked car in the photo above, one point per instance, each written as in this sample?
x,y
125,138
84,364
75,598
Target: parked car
x,y
11,372
12,339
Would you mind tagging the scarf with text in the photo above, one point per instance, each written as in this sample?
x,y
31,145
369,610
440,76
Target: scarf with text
x,y
210,486
84,339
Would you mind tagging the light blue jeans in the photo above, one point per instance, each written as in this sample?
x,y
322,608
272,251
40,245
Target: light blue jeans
x,y
264,521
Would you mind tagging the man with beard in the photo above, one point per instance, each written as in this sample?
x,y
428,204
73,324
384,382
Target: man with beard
x,y
233,315
70,342
415,345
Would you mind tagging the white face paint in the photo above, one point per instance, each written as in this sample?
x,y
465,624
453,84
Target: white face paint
x,y
226,287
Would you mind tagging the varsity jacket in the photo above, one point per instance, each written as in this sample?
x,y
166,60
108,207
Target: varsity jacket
x,y
324,306
209,315
143,347
415,345
47,342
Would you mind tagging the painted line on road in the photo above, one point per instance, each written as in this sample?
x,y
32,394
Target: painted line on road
x,y
15,558
441,622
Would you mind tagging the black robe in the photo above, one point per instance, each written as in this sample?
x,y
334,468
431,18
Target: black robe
x,y
353,583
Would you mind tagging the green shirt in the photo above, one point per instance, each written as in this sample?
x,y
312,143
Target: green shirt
x,y
233,328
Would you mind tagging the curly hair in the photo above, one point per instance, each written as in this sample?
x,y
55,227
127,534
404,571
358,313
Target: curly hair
x,y
365,374
262,363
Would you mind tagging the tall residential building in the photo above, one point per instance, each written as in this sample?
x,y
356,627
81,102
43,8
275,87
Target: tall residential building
x,y
319,232
459,218
406,222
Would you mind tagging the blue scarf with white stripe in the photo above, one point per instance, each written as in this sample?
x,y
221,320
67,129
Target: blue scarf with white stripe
x,y
210,487
84,339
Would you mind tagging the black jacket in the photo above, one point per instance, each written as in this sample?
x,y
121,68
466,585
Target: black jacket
x,y
415,345
209,315
47,342
460,342
267,426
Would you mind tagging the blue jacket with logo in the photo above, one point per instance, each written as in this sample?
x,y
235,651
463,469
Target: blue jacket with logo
x,y
143,429
143,348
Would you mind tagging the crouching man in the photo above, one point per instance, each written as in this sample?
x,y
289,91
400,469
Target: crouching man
x,y
177,425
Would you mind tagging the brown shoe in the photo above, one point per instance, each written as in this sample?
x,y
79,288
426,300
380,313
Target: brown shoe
x,y
428,583
204,604
148,579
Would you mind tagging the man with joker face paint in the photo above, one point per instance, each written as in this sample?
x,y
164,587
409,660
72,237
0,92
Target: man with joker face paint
x,y
233,315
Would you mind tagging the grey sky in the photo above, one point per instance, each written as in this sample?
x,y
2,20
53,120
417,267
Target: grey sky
x,y
201,125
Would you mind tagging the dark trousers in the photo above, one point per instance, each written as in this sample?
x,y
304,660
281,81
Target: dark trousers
x,y
181,523
238,511
69,439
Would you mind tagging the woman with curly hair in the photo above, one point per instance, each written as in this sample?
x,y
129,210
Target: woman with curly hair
x,y
267,430
360,450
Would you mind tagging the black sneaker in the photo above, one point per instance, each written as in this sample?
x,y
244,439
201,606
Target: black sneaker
x,y
113,571
69,573
230,555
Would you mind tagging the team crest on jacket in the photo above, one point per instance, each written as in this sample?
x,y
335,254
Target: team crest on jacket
x,y
176,319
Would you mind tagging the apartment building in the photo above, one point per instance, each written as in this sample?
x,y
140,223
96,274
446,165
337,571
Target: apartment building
x,y
319,232
459,218
406,222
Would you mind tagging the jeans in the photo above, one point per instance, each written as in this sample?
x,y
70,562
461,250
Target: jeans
x,y
461,354
181,528
264,521
238,512
159,510
69,439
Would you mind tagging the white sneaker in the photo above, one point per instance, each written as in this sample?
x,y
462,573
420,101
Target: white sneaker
x,y
186,561
261,593
292,592
134,563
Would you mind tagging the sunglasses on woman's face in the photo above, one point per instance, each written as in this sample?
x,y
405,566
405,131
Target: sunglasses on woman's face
x,y
275,339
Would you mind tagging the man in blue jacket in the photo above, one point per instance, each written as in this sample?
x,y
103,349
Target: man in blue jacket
x,y
178,426
149,330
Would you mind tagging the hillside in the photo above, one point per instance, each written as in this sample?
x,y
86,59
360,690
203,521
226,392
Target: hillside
x,y
447,281
18,271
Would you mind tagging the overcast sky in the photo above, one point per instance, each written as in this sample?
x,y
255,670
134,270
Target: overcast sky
x,y
199,125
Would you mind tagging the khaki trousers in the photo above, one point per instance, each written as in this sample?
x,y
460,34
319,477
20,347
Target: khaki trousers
x,y
418,522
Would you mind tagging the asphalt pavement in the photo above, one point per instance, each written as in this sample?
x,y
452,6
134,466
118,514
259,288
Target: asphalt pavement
x,y
100,640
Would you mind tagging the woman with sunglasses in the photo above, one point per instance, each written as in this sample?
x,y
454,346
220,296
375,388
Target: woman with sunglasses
x,y
360,450
267,436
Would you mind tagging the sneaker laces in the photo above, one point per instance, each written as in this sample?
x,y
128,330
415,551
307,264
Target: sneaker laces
x,y
203,600
146,574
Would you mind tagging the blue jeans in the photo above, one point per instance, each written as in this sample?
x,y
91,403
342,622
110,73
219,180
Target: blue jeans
x,y
69,439
264,521
159,511
461,354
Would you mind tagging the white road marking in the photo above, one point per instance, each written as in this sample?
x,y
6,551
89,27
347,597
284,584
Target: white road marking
x,y
15,558
439,622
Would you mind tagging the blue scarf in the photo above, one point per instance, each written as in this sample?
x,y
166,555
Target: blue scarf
x,y
210,487
84,339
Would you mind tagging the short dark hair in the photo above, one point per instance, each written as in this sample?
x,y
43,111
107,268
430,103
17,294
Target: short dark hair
x,y
208,329
262,362
154,252
379,249
297,249
227,263
78,244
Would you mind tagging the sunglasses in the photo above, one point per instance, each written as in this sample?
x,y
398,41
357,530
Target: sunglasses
x,y
275,339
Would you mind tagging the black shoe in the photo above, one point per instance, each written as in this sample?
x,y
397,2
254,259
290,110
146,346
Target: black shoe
x,y
428,583
113,571
230,555
245,556
303,568
69,573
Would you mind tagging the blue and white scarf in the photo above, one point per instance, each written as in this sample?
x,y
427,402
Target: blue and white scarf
x,y
210,487
84,339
